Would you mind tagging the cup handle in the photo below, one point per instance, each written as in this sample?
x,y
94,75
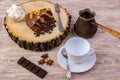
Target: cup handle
x,y
91,52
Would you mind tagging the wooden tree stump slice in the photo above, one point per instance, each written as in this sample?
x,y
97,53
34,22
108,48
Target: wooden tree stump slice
x,y
24,36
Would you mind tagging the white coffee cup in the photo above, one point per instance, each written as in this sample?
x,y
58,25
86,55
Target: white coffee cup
x,y
78,49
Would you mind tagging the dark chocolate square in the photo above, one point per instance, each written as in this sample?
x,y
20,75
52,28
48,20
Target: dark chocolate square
x,y
36,69
42,73
21,60
30,66
25,63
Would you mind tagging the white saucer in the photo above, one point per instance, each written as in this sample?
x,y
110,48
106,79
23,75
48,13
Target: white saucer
x,y
77,68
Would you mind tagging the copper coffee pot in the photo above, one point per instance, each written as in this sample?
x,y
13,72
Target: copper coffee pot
x,y
86,26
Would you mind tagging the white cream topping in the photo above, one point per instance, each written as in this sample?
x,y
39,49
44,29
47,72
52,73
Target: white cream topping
x,y
15,13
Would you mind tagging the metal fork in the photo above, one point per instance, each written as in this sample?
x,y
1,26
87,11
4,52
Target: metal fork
x,y
60,25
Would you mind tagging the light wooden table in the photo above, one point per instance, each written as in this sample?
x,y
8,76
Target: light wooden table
x,y
107,47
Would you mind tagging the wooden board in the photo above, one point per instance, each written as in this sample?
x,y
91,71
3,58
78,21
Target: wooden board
x,y
107,47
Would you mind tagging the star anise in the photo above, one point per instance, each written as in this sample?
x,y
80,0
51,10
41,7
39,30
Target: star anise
x,y
45,56
41,61
49,62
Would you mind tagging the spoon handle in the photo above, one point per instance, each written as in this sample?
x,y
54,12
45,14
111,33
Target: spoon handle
x,y
68,68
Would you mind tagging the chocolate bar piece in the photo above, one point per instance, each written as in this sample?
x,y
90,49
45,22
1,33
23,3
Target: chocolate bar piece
x,y
32,67
42,73
36,69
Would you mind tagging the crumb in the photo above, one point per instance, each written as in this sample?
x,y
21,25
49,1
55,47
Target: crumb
x,y
45,56
41,61
49,62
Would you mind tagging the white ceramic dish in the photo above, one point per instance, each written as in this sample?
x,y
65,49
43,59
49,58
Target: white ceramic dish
x,y
84,66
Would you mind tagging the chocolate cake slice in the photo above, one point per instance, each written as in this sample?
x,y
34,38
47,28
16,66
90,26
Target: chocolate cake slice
x,y
40,21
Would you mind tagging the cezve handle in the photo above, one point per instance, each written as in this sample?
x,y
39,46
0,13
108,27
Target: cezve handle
x,y
111,31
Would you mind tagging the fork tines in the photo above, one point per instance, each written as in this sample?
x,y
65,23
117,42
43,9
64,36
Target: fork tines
x,y
57,7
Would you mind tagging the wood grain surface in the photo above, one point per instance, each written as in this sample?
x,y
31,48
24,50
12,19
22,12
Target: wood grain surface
x,y
107,47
